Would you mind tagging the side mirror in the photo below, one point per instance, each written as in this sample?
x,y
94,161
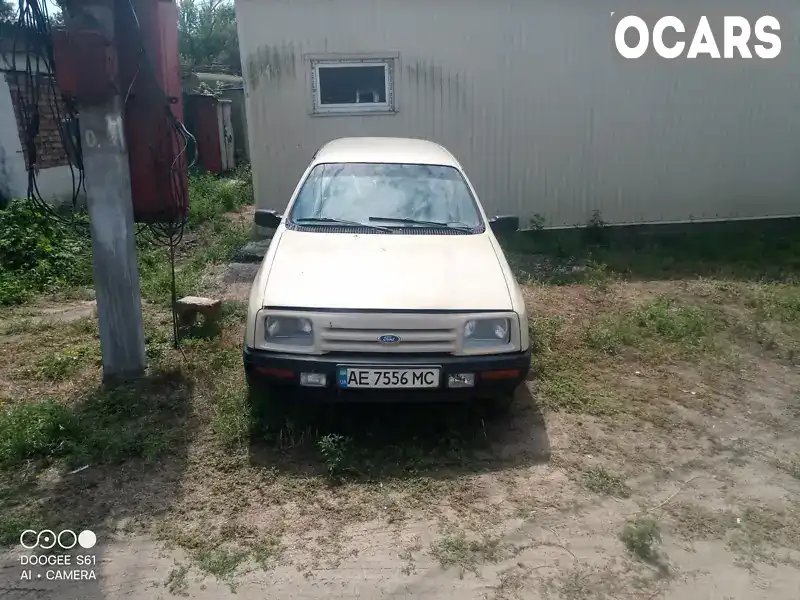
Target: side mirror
x,y
267,218
504,225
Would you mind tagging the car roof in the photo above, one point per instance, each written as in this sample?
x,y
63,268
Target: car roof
x,y
385,150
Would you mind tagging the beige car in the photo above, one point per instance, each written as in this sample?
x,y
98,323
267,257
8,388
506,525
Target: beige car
x,y
384,280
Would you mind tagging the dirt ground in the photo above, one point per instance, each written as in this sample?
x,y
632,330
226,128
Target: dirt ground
x,y
654,453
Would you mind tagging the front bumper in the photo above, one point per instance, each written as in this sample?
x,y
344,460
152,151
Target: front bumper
x,y
495,375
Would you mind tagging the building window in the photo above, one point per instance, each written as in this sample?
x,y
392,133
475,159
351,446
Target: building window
x,y
352,86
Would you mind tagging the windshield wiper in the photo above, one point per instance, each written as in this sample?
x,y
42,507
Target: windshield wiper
x,y
459,226
340,222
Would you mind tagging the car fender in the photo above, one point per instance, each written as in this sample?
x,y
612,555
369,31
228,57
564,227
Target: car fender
x,y
256,301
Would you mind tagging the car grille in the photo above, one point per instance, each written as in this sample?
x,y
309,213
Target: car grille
x,y
365,339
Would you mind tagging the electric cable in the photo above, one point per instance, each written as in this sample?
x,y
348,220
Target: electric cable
x,y
166,229
33,38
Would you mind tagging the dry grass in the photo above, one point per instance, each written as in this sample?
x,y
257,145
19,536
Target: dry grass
x,y
635,384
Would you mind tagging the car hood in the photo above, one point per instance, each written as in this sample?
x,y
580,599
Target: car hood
x,y
385,272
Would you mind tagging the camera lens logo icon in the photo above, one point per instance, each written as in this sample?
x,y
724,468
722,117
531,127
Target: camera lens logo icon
x,y
66,539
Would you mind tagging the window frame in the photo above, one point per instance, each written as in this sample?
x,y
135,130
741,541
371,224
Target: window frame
x,y
389,61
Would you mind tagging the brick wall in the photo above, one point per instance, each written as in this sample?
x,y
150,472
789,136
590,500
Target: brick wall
x,y
49,146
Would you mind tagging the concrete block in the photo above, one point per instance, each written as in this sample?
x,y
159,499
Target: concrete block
x,y
190,306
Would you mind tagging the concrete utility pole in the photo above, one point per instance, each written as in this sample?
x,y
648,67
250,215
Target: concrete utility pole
x,y
108,193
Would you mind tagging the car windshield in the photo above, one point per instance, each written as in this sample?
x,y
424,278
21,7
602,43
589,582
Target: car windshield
x,y
388,195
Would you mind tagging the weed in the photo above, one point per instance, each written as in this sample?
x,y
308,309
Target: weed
x,y
458,550
20,325
234,311
756,251
768,526
37,429
13,523
640,537
774,302
601,481
105,427
267,551
696,522
212,196
219,562
65,363
231,419
543,332
176,581
565,391
598,276
661,321
38,254
790,466
335,451
537,222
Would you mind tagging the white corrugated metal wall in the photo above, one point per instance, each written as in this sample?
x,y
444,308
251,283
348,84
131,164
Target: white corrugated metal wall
x,y
531,98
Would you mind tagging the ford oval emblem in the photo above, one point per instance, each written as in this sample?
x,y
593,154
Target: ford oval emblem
x,y
388,339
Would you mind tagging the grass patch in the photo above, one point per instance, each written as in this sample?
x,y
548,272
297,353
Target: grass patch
x,y
14,520
657,323
543,332
267,551
176,581
65,363
216,242
698,523
220,563
40,255
774,302
562,384
767,526
231,418
602,482
641,537
211,196
466,554
39,429
221,550
766,250
790,466
566,390
104,427
752,533
336,452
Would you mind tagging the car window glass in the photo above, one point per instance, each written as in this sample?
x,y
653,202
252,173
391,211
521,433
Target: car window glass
x,y
356,192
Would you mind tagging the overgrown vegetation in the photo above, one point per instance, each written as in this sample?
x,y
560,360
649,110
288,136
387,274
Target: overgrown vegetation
x,y
601,481
460,551
728,250
662,320
40,255
335,450
641,537
179,451
105,427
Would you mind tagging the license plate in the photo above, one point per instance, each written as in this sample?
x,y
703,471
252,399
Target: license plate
x,y
426,377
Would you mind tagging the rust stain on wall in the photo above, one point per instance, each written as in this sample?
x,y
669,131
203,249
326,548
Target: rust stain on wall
x,y
270,63
434,77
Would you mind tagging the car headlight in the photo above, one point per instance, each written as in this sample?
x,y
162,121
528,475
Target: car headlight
x,y
288,330
487,332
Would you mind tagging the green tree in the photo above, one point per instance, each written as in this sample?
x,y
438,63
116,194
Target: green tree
x,y
8,12
207,34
